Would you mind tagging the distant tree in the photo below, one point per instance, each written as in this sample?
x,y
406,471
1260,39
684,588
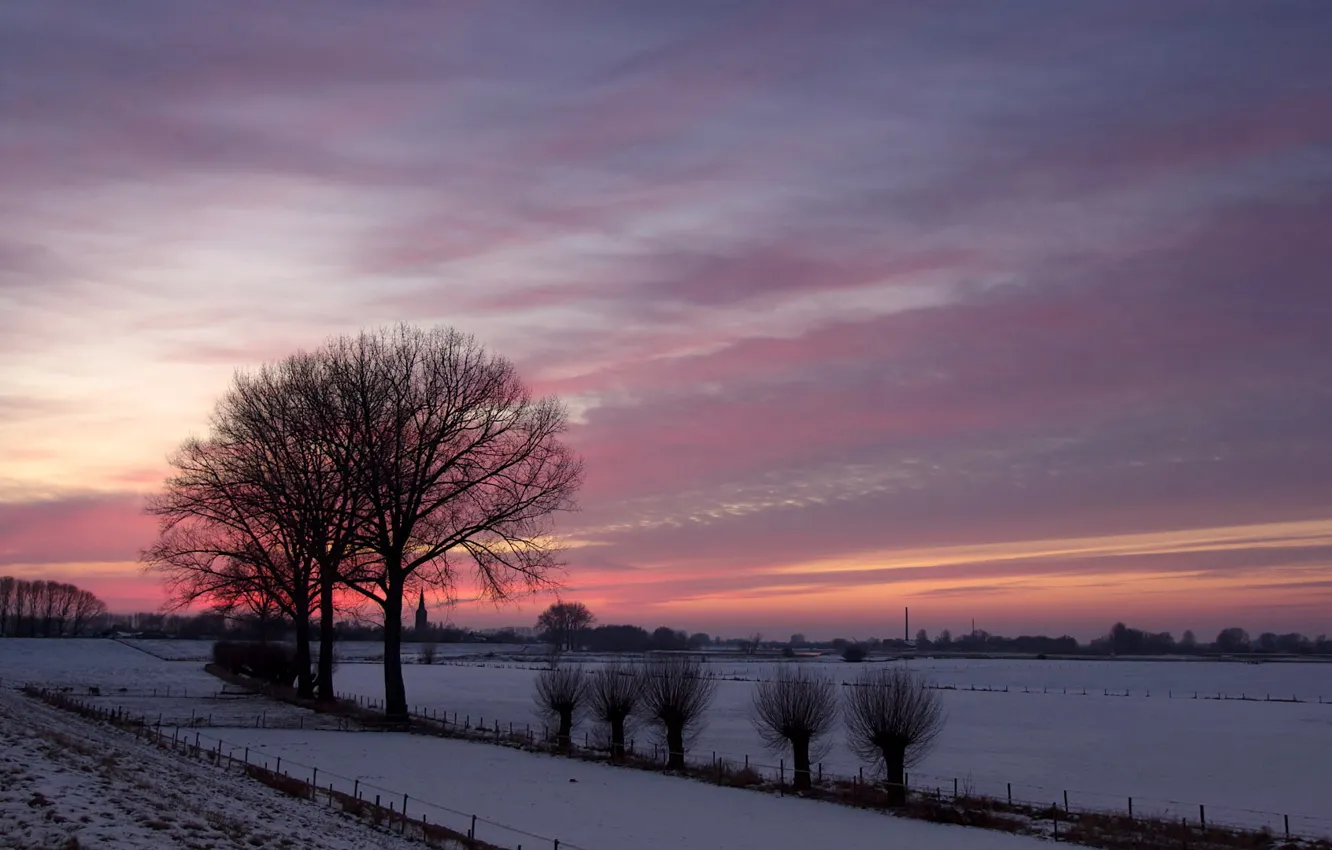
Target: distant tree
x,y
676,698
6,602
892,721
561,693
1266,642
752,645
562,623
796,709
428,650
666,639
1232,640
922,639
699,640
619,639
614,694
1189,641
1294,643
944,640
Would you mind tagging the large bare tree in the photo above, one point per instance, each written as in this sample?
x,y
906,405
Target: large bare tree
x,y
797,708
892,720
259,514
457,465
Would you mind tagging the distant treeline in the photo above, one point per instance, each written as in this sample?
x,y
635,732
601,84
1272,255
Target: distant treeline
x,y
1123,640
1119,640
47,609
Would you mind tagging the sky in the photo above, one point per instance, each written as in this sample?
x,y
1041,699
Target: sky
x,y
1017,312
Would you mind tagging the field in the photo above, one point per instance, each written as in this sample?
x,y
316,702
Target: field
x,y
1247,760
1239,758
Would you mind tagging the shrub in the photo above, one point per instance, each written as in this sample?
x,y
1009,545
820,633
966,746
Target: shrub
x,y
854,653
274,663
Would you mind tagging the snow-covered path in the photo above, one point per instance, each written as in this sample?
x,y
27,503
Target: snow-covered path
x,y
67,782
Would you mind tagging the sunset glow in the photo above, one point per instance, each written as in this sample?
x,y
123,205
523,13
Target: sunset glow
x,y
855,307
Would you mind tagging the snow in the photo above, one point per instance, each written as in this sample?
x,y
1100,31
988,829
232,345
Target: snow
x,y
591,805
65,782
1246,761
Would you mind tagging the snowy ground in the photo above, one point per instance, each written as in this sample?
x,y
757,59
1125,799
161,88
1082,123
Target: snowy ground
x,y
1248,762
64,779
68,783
591,805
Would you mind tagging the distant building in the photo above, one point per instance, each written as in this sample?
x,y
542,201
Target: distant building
x,y
422,618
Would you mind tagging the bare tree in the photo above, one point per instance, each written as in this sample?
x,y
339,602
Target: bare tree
x,y
797,708
455,461
428,650
87,609
892,721
676,698
753,642
260,515
562,622
6,602
614,694
561,693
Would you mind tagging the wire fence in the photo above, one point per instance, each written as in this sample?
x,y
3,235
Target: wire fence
x,y
971,687
1042,802
865,788
397,811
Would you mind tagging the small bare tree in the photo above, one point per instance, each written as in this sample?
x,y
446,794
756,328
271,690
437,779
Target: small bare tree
x,y
428,651
796,709
892,721
676,696
561,694
615,692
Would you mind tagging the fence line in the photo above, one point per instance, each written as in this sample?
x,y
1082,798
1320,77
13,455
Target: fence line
x,y
1063,690
1070,800
170,737
725,765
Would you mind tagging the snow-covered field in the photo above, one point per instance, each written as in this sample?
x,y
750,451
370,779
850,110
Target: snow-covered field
x,y
1240,759
63,778
1248,761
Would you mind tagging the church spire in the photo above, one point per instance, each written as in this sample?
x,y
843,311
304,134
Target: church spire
x,y
422,617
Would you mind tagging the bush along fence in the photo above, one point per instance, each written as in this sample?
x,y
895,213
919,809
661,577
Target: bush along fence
x,y
393,811
1091,818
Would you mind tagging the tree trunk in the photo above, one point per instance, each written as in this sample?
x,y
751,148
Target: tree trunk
x,y
675,755
617,738
301,610
304,681
395,691
565,734
325,678
800,753
894,760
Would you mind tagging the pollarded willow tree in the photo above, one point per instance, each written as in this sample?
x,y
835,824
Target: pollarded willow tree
x,y
892,721
796,709
456,467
